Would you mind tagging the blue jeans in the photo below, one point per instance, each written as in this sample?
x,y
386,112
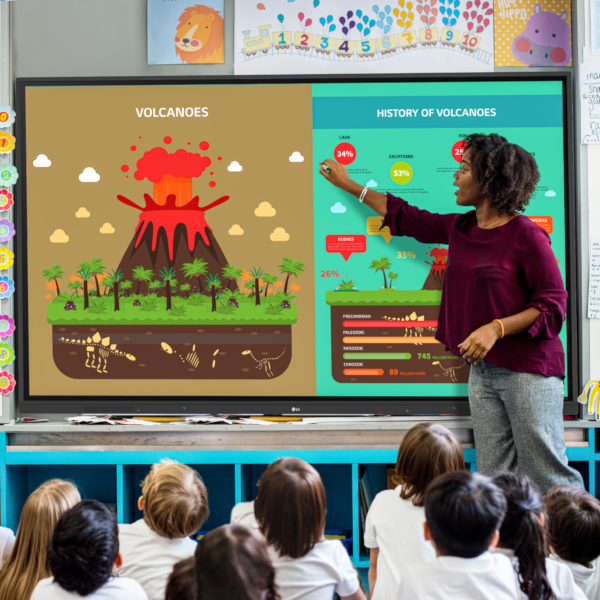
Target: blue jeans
x,y
518,425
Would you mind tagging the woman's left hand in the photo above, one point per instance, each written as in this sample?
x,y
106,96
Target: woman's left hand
x,y
475,348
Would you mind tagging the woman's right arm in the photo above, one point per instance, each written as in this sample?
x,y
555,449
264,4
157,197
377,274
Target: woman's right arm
x,y
373,569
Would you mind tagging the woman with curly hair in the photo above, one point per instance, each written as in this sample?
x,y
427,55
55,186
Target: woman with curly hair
x,y
503,305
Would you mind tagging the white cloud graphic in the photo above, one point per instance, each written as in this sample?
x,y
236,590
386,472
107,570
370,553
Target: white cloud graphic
x,y
89,175
236,230
82,213
235,167
550,194
338,208
372,183
280,235
59,237
42,161
107,228
265,210
296,157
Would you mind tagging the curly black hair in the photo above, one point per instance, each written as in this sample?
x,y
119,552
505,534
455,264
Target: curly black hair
x,y
506,173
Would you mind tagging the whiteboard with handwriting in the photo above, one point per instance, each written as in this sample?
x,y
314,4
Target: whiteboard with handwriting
x,y
594,287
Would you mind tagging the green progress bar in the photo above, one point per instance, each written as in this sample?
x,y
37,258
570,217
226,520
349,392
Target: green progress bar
x,y
378,355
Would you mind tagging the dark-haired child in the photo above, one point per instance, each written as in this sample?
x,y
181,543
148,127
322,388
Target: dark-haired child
x,y
233,562
523,541
463,512
394,528
83,551
181,584
574,535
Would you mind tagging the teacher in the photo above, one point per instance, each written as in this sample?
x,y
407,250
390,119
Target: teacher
x,y
503,305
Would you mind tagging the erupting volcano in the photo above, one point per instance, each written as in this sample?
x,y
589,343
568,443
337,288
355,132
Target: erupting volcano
x,y
172,228
435,279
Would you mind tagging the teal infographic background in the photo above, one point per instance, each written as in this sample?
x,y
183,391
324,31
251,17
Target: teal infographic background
x,y
405,139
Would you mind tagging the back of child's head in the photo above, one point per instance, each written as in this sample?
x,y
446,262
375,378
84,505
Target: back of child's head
x,y
232,562
522,530
28,562
290,507
573,524
181,584
175,500
427,451
84,547
464,510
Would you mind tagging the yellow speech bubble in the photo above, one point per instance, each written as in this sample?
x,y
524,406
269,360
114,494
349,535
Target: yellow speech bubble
x,y
373,228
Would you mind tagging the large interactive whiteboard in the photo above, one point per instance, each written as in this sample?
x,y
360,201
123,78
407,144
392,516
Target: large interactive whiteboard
x,y
180,253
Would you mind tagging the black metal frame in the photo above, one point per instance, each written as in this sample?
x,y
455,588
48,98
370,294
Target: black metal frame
x,y
286,404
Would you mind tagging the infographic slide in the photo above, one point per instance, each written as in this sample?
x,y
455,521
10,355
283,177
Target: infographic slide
x,y
184,243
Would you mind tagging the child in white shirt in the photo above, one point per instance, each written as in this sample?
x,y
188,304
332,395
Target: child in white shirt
x,y
394,527
83,552
463,512
523,541
175,504
7,541
290,510
574,535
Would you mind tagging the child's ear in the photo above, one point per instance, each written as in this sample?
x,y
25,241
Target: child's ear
x,y
426,531
141,502
495,540
119,561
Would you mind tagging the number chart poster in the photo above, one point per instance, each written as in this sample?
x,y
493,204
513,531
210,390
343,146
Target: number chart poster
x,y
533,33
341,36
196,252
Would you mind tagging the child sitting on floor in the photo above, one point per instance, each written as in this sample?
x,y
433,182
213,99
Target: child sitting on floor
x,y
394,528
83,552
574,535
28,563
463,512
523,540
233,562
181,584
175,504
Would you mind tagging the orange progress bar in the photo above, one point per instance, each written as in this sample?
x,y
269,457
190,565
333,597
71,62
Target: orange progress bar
x,y
390,340
369,372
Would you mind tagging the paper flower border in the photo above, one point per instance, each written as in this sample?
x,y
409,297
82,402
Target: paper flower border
x,y
14,175
9,200
9,260
10,383
11,231
10,287
9,146
11,355
11,326
11,116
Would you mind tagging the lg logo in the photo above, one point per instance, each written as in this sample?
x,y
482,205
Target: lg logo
x,y
295,409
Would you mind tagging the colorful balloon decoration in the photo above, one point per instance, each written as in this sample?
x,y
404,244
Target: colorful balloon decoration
x,y
406,15
280,18
260,6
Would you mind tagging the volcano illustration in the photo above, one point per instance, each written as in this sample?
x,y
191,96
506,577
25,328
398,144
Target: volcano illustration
x,y
437,273
172,228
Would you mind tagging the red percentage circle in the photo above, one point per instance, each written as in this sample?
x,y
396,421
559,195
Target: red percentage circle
x,y
458,150
345,153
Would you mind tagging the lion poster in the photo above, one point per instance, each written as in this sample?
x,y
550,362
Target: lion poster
x,y
183,32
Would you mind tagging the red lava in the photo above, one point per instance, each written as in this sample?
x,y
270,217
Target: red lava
x,y
124,168
204,146
133,148
168,140
212,183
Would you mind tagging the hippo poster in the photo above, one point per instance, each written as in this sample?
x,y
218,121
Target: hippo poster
x,y
533,34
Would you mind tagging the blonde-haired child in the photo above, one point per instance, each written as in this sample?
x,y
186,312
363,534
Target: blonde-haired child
x,y
28,561
394,526
175,504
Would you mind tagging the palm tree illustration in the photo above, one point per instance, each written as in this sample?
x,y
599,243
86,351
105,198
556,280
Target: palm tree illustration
x,y
195,269
213,282
269,280
85,273
288,267
249,285
54,273
256,275
126,286
155,286
142,275
232,274
186,287
383,265
168,276
174,286
74,286
392,277
97,267
114,280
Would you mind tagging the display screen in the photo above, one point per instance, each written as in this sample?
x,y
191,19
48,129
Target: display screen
x,y
181,243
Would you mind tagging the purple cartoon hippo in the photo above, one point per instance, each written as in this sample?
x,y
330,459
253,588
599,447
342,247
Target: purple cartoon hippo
x,y
546,40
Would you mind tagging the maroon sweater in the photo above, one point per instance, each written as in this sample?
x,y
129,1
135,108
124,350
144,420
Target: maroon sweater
x,y
491,274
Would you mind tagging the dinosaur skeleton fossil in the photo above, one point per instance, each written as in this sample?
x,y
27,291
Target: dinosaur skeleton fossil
x,y
105,348
264,363
449,371
192,358
413,331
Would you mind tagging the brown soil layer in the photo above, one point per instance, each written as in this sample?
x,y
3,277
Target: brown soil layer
x,y
173,352
417,369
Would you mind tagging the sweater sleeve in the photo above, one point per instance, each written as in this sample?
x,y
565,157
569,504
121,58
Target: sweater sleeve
x,y
543,278
423,226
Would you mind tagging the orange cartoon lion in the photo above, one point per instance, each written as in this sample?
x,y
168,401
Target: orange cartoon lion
x,y
199,37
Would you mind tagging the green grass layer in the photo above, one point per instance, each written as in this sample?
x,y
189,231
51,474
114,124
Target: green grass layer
x,y
246,314
385,298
